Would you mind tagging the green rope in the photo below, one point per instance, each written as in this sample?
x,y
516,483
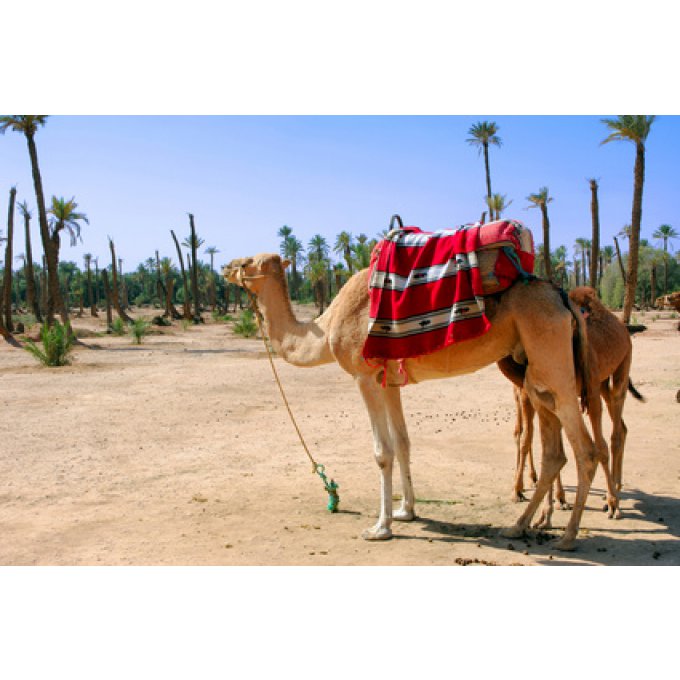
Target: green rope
x,y
331,488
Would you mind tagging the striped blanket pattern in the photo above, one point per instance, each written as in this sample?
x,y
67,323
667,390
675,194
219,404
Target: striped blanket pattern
x,y
426,292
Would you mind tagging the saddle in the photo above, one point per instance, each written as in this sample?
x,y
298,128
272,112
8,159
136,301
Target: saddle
x,y
427,289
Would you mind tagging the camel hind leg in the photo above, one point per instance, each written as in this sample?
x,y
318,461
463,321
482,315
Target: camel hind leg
x,y
615,397
552,461
524,435
546,336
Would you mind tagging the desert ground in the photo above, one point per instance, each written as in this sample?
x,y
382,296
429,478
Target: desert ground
x,y
180,452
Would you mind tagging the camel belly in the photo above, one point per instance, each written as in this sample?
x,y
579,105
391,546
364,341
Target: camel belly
x,y
463,357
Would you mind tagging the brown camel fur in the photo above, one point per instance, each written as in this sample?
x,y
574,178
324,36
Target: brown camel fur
x,y
610,355
528,321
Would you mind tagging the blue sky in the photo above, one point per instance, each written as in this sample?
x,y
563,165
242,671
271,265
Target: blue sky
x,y
243,177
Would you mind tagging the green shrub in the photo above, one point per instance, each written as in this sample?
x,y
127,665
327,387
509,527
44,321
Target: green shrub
x,y
246,325
118,326
57,343
139,328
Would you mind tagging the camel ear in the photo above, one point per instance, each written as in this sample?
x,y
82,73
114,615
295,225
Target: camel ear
x,y
285,264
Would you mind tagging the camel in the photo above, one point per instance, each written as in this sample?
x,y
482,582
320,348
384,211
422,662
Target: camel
x,y
531,322
609,357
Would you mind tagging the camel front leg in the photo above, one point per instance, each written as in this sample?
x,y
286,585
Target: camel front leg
x,y
375,400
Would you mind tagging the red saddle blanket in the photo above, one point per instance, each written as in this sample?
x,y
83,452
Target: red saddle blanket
x,y
427,288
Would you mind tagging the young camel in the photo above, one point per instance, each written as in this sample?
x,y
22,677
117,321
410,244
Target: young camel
x,y
528,321
610,354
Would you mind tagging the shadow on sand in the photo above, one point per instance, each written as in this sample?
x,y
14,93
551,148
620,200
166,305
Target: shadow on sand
x,y
656,542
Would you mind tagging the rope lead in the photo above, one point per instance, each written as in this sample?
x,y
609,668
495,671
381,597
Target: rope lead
x,y
331,487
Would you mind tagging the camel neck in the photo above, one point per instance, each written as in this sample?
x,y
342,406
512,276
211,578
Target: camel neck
x,y
298,343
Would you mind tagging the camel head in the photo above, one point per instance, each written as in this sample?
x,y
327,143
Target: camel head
x,y
586,299
252,272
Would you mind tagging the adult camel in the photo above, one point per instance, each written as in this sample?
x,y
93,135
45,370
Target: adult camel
x,y
530,322
610,354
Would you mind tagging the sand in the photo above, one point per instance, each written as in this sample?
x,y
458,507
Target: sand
x,y
180,452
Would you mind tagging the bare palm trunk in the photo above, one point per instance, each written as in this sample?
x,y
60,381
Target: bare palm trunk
x,y
93,304
185,288
7,279
107,295
634,244
665,266
652,284
595,238
194,270
620,259
116,292
31,293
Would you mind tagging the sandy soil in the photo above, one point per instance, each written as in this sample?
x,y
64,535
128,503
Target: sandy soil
x,y
179,452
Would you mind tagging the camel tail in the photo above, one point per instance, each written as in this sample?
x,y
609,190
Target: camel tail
x,y
580,349
634,392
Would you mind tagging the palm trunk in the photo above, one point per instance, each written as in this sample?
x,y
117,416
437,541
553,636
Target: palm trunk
x,y
665,266
620,260
93,305
595,238
636,221
488,175
546,242
7,279
116,292
194,270
54,298
185,288
31,293
652,285
107,295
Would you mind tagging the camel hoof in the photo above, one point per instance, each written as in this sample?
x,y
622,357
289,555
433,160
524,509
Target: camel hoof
x,y
512,532
565,544
376,533
543,523
563,505
404,515
518,497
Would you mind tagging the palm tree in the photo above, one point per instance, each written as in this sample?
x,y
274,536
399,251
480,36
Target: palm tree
x,y
292,249
88,268
497,205
185,286
31,293
633,129
595,241
541,200
212,251
64,217
318,249
343,246
665,233
580,247
115,293
194,242
481,135
316,271
561,265
28,126
7,279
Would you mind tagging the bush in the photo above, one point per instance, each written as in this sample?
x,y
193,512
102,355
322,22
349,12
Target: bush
x,y
246,325
139,328
57,343
118,326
